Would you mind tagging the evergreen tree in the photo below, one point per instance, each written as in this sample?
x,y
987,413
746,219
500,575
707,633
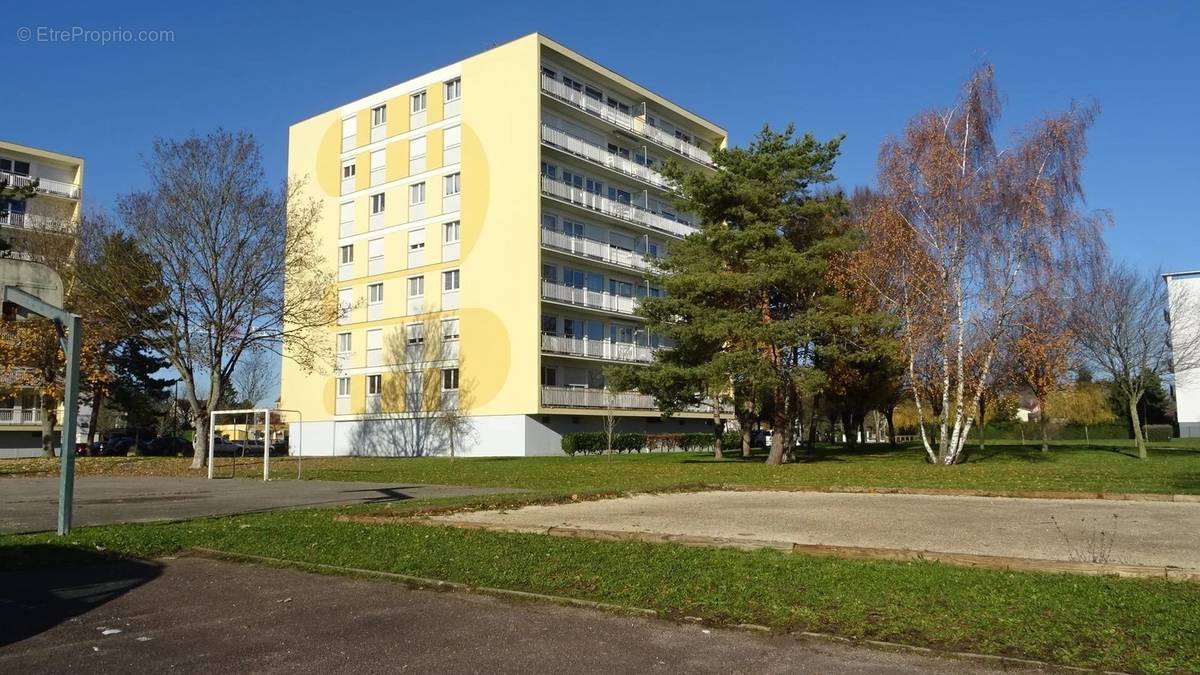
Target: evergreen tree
x,y
746,295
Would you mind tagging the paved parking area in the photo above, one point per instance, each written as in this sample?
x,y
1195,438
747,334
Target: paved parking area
x,y
31,504
1076,530
196,615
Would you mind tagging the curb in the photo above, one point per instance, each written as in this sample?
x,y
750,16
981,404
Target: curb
x,y
963,492
1008,563
437,584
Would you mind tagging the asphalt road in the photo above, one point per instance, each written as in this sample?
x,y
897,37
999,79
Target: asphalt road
x,y
1079,530
31,504
197,615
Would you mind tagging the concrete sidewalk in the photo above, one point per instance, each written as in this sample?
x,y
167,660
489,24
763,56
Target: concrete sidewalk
x,y
1081,530
31,504
204,616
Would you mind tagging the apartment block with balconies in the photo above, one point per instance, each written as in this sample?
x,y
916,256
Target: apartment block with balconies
x,y
50,212
491,226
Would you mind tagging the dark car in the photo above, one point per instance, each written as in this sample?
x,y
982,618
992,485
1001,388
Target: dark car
x,y
170,446
125,445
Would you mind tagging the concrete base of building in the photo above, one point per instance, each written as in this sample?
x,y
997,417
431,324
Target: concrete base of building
x,y
1189,429
19,444
484,435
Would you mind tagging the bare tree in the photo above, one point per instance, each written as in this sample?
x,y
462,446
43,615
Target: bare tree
x,y
254,377
1119,319
961,233
223,241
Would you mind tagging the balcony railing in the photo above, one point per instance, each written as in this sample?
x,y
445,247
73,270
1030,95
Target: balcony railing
x,y
579,397
47,186
587,298
31,221
597,155
596,250
611,207
20,416
623,120
608,350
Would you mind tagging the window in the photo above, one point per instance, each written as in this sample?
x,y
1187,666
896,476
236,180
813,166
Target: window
x,y
418,102
452,137
549,324
379,115
343,343
450,379
15,166
416,147
349,169
343,387
374,347
374,385
453,89
451,232
416,286
374,294
450,280
449,329
416,193
415,333
346,254
453,184
416,241
377,203
549,377
549,273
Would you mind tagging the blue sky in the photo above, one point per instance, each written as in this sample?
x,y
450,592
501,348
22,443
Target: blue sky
x,y
856,68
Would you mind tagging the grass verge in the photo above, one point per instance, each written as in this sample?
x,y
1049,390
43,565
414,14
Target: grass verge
x,y
1133,625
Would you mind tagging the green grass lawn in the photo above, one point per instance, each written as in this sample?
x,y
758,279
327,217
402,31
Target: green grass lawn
x,y
1173,467
1133,625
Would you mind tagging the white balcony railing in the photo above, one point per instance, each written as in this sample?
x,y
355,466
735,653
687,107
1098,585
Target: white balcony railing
x,y
597,155
625,121
579,397
20,416
587,298
32,221
608,350
47,186
596,250
611,207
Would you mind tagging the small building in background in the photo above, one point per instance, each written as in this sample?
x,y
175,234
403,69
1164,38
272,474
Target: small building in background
x,y
1183,298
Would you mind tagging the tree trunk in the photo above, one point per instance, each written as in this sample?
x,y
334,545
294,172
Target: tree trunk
x,y
200,440
718,432
982,410
1044,425
848,430
891,424
97,404
1137,428
747,437
49,419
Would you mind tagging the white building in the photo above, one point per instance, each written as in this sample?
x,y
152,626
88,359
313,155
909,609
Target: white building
x,y
1183,293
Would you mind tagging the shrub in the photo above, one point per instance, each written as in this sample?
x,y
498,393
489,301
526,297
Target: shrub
x,y
731,440
583,442
696,441
628,442
1158,432
662,442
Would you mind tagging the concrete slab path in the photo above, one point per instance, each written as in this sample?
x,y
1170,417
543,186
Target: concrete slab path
x,y
1079,530
203,616
31,504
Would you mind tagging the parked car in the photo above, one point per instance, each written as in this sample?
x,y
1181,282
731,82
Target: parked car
x,y
222,446
125,445
170,446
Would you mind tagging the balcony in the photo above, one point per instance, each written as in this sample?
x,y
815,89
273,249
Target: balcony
x,y
622,120
31,221
595,154
46,186
584,297
607,350
21,416
596,250
610,207
579,397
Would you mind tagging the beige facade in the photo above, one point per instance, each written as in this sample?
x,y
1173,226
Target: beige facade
x,y
490,224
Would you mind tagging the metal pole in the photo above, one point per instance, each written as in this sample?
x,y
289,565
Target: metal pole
x,y
72,345
266,444
212,420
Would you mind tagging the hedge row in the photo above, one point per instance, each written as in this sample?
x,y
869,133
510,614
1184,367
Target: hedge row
x,y
586,442
1158,432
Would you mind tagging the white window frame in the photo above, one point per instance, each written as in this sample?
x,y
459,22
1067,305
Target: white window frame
x,y
450,374
452,232
346,254
378,203
453,89
415,190
453,182
374,385
418,102
375,293
414,334
450,329
343,387
448,275
379,115
420,279
344,343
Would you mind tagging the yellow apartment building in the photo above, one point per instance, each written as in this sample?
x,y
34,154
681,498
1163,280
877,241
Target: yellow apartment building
x,y
53,210
490,225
